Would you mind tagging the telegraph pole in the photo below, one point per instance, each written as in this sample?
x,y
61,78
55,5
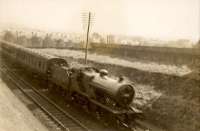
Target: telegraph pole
x,y
17,34
87,19
87,39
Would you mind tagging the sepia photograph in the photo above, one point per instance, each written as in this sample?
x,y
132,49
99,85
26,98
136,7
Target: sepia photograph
x,y
99,65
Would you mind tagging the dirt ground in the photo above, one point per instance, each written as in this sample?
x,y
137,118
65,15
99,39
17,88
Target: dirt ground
x,y
14,116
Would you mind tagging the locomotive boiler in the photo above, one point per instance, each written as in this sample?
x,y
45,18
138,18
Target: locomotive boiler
x,y
94,84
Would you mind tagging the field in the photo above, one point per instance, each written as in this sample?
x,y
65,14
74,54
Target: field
x,y
150,66
167,96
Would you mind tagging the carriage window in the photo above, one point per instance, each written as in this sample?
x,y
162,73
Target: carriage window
x,y
39,64
29,59
43,66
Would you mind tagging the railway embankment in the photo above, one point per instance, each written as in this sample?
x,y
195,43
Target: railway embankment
x,y
167,95
171,101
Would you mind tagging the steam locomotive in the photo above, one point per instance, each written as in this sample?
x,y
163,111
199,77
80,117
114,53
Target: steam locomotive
x,y
92,88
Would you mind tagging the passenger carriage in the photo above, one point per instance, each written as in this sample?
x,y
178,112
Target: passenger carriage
x,y
30,59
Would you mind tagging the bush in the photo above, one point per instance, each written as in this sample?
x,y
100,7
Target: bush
x,y
9,36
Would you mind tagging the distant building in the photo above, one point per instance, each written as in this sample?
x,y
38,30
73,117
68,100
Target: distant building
x,y
9,36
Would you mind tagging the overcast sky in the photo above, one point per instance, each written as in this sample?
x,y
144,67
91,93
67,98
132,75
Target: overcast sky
x,y
165,19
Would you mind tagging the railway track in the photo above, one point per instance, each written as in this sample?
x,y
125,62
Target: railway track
x,y
61,118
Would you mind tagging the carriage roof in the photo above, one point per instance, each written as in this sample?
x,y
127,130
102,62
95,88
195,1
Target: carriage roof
x,y
43,56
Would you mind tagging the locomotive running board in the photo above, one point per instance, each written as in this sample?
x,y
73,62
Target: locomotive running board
x,y
113,111
131,110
